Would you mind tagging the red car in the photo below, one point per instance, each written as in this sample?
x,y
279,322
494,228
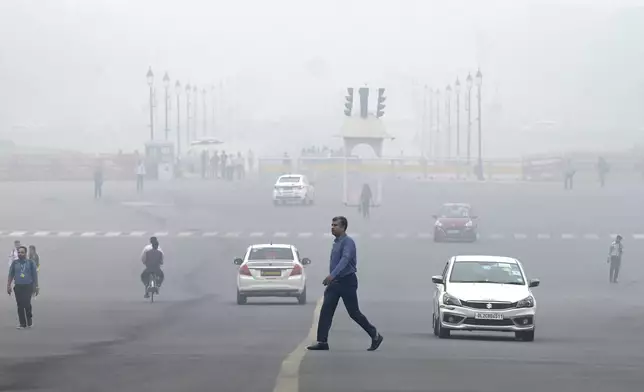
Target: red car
x,y
455,221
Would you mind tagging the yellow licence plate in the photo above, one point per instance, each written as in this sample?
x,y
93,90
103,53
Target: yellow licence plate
x,y
271,273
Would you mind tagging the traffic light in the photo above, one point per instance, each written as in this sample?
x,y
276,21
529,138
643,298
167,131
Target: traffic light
x,y
364,101
380,111
348,106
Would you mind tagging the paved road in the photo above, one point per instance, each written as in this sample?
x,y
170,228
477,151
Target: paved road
x,y
92,317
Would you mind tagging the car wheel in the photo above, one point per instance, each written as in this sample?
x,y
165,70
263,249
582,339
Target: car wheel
x,y
443,333
434,325
526,336
241,299
301,299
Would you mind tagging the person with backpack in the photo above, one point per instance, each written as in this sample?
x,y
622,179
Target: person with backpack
x,y
24,274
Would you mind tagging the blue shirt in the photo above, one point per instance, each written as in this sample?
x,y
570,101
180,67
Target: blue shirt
x,y
24,272
344,259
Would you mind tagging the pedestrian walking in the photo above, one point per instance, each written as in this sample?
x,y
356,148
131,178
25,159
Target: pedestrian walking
x,y
569,174
615,258
98,181
342,282
24,274
13,255
34,256
140,175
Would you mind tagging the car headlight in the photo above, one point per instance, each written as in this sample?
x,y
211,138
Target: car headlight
x,y
527,302
468,224
438,224
451,300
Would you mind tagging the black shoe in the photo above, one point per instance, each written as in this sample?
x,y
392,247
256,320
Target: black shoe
x,y
375,343
319,346
30,323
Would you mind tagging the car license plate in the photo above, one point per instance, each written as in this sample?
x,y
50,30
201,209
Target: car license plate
x,y
489,316
453,231
271,273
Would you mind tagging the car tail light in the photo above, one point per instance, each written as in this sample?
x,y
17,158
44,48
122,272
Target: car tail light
x,y
297,270
243,270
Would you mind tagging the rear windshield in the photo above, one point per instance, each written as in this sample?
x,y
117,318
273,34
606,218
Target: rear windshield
x,y
289,180
270,254
454,211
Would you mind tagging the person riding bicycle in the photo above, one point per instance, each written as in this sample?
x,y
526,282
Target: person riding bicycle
x,y
152,258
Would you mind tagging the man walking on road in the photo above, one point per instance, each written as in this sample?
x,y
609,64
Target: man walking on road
x,y
342,282
615,258
140,175
24,274
14,252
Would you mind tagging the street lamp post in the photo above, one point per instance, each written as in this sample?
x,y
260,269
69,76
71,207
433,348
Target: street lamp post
x,y
457,91
150,77
437,141
212,109
205,112
195,94
423,129
430,129
177,88
479,82
188,90
166,85
468,86
448,97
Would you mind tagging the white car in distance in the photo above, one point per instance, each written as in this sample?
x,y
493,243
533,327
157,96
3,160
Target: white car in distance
x,y
271,270
293,188
484,293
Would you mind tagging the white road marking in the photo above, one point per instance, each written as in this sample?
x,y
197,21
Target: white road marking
x,y
137,233
497,236
65,233
288,379
280,234
112,234
232,234
398,235
305,235
567,236
41,233
185,234
257,234
160,234
89,234
425,235
17,233
519,236
543,236
376,235
210,234
591,236
638,236
328,235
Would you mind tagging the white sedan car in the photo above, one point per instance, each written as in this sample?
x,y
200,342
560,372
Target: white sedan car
x,y
293,188
484,293
271,270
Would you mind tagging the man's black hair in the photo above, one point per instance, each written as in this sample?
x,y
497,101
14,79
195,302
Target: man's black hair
x,y
342,220
23,247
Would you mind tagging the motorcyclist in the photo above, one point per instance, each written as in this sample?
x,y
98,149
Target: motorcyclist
x,y
152,258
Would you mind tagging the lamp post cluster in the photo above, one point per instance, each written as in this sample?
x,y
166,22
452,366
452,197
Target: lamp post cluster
x,y
435,126
192,111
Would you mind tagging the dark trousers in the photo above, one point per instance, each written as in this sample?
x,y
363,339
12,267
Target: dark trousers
x,y
145,276
615,263
364,208
347,289
23,293
98,190
139,182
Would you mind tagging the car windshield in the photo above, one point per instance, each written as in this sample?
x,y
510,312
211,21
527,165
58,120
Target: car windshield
x,y
270,254
290,180
486,272
454,212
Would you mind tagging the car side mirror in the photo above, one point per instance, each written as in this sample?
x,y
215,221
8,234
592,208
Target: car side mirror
x,y
438,279
435,216
534,283
306,261
474,217
238,261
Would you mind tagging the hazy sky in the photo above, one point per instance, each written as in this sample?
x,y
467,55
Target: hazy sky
x,y
73,71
